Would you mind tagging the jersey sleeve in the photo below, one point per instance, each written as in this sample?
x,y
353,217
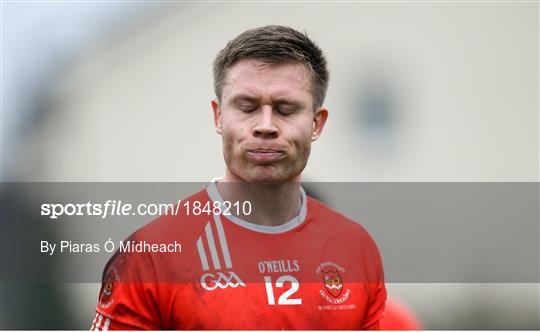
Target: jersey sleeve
x,y
128,298
375,311
376,308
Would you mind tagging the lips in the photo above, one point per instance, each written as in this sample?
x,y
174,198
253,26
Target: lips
x,y
264,155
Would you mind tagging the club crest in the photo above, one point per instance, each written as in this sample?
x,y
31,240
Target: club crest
x,y
332,281
334,290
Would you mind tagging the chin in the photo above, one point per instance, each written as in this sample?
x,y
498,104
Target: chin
x,y
266,178
263,175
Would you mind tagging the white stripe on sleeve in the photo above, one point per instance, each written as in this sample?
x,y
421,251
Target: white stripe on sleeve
x,y
106,324
223,242
212,246
94,323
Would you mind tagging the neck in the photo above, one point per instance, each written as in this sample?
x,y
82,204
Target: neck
x,y
271,204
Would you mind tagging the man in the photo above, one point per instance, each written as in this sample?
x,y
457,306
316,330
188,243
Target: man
x,y
281,261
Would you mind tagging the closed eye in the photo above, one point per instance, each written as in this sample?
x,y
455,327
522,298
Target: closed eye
x,y
287,107
247,108
286,110
244,103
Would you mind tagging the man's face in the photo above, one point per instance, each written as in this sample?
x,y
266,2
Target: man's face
x,y
267,121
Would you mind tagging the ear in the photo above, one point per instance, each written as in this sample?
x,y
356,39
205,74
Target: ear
x,y
319,119
217,115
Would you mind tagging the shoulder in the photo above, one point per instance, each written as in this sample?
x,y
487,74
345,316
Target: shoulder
x,y
347,234
334,222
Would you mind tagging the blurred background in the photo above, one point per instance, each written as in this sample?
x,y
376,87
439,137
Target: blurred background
x,y
419,92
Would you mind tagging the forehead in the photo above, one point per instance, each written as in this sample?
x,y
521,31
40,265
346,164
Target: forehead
x,y
254,77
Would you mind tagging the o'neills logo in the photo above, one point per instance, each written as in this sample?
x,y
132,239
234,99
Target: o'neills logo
x,y
333,283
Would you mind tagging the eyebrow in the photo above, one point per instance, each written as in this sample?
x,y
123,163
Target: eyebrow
x,y
244,98
288,102
277,101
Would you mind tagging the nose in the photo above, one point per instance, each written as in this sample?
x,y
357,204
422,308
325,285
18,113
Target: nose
x,y
265,126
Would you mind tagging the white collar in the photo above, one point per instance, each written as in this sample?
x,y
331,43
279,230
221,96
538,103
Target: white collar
x,y
214,195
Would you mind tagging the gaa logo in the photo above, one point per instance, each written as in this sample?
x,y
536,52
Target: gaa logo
x,y
210,281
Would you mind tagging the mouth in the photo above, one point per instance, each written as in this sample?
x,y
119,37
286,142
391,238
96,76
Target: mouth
x,y
265,155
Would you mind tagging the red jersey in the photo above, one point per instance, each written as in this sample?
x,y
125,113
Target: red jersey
x,y
318,271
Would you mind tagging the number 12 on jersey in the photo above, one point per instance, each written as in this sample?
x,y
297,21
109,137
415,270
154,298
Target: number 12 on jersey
x,y
284,299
